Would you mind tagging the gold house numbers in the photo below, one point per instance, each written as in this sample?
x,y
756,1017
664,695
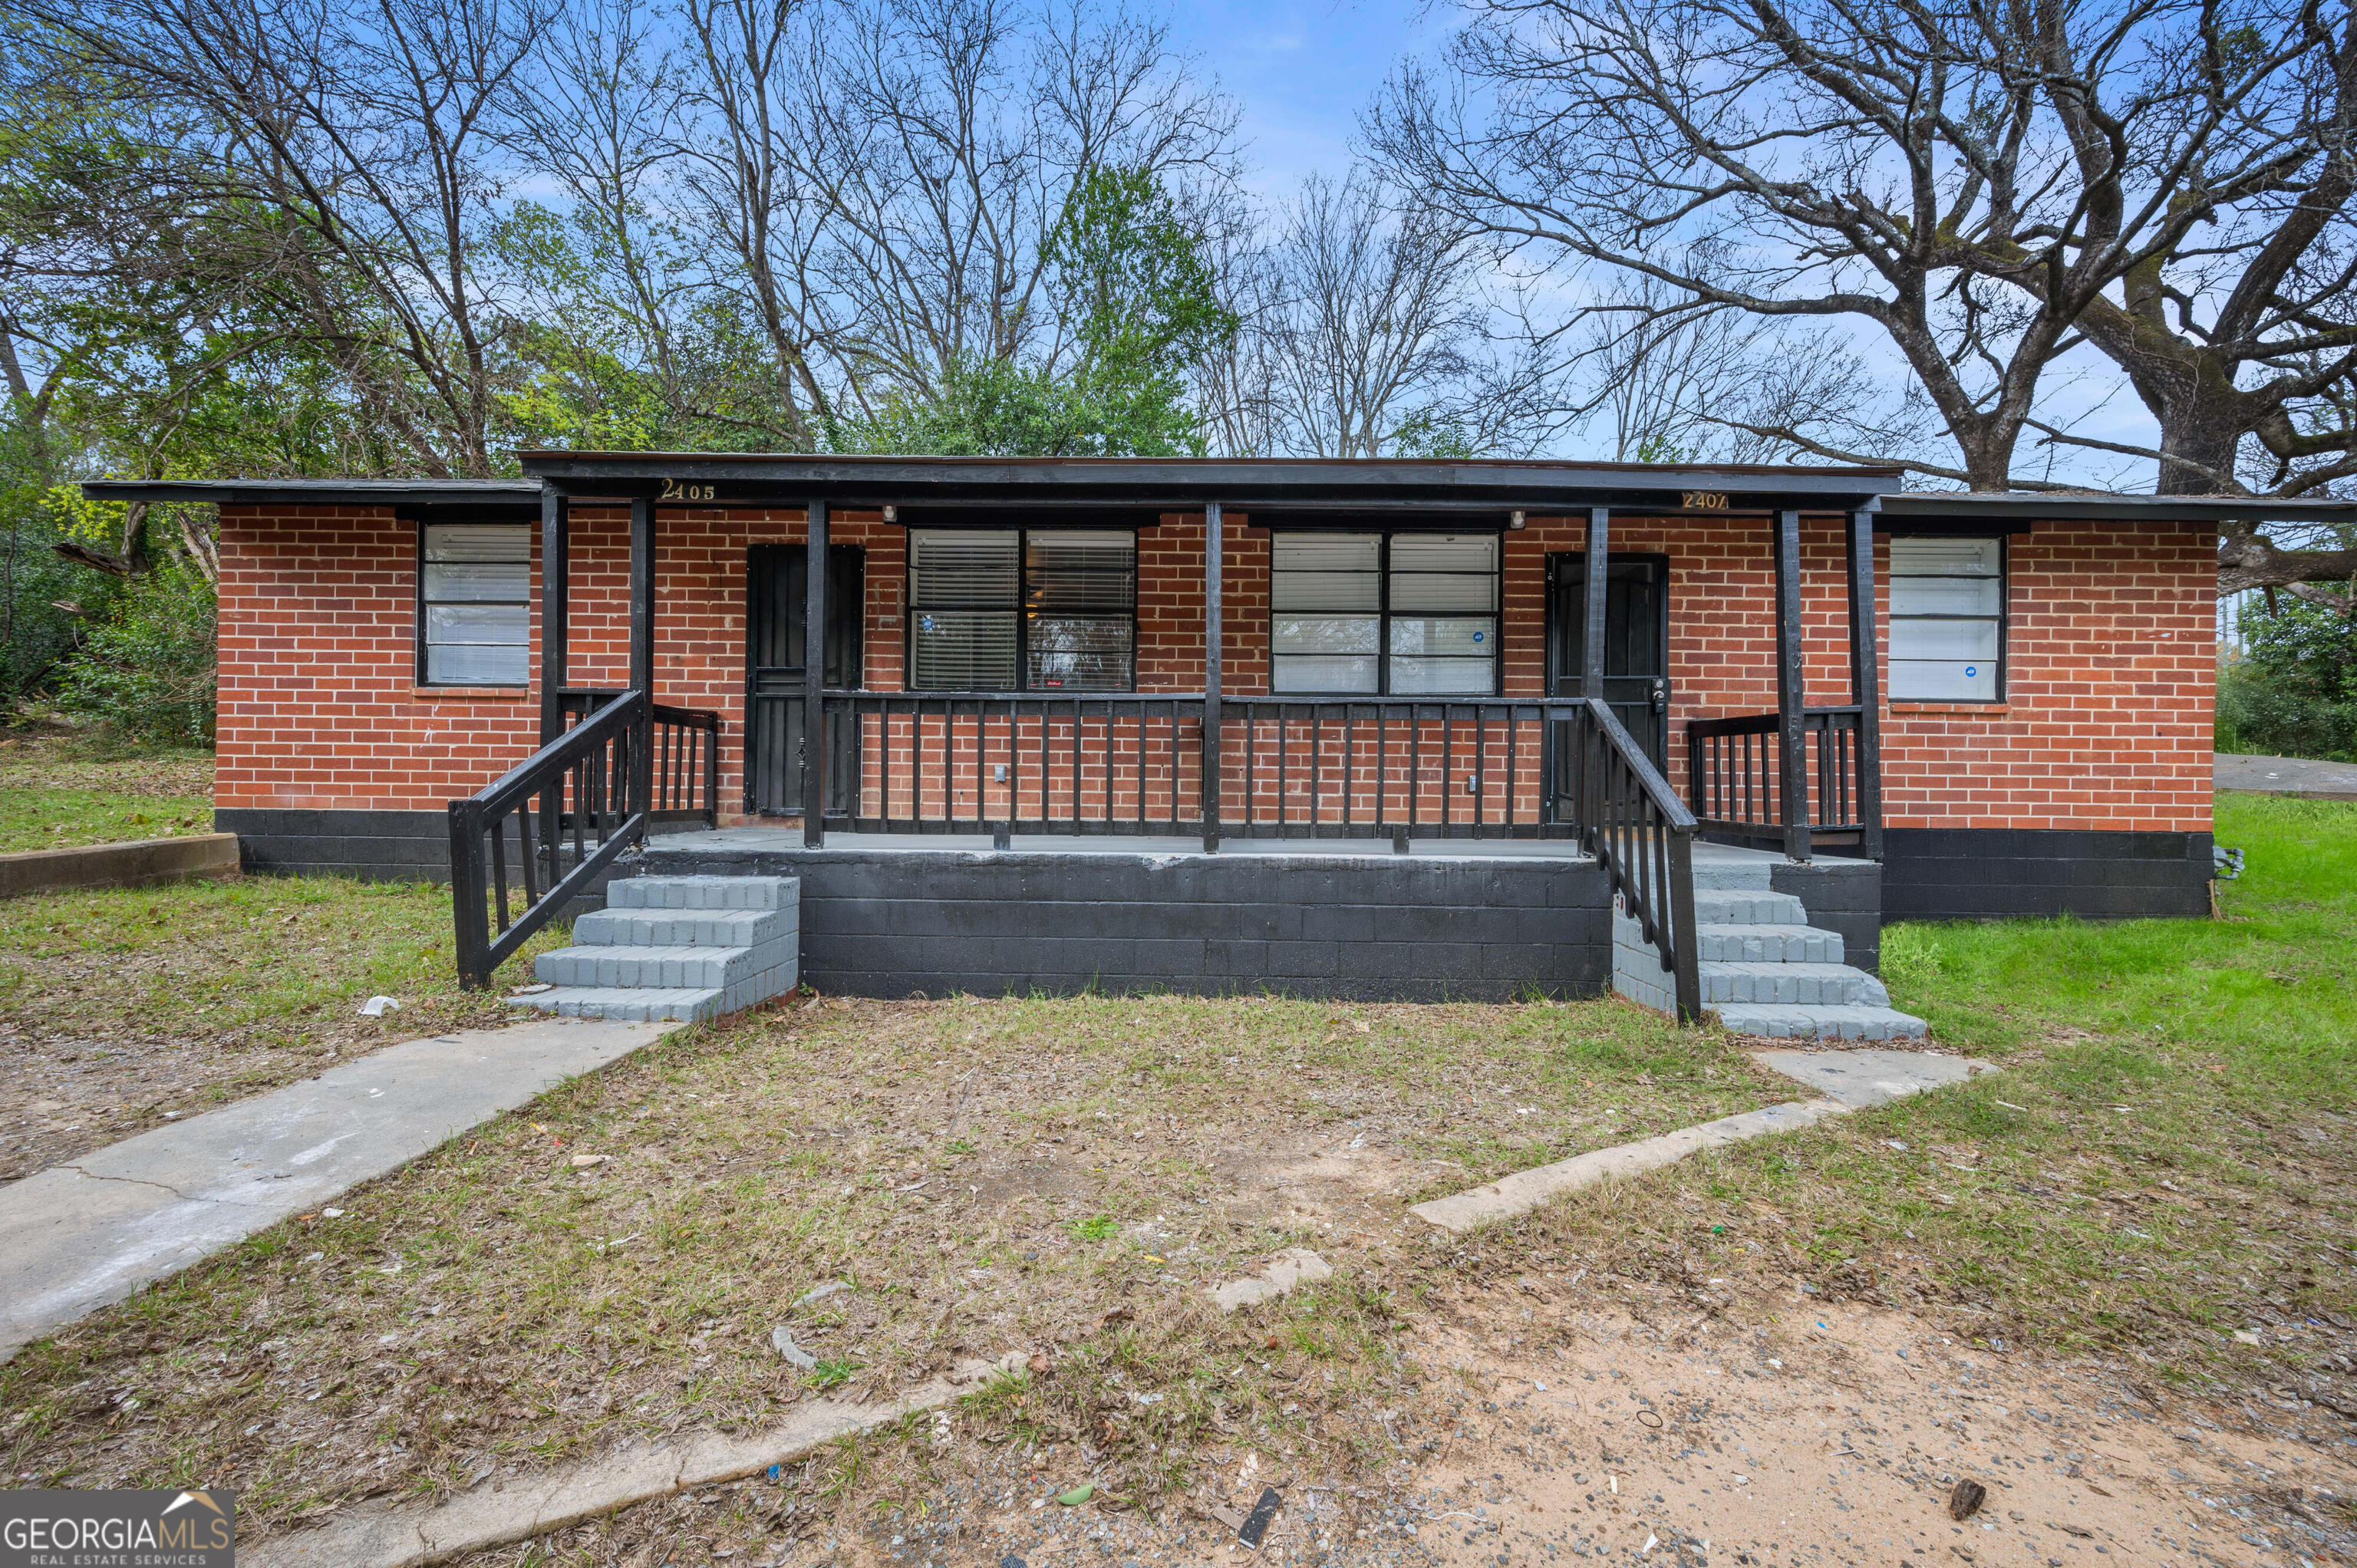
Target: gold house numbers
x,y
1703,500
672,491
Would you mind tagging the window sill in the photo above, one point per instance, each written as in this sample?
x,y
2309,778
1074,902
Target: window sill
x,y
1987,710
470,693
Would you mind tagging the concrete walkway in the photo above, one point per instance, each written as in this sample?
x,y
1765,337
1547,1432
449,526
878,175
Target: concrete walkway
x,y
2284,776
1850,1080
77,1237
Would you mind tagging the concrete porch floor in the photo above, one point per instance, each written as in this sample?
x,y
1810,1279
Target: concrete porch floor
x,y
777,840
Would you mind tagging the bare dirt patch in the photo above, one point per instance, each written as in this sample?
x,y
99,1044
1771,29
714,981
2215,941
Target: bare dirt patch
x,y
1542,1420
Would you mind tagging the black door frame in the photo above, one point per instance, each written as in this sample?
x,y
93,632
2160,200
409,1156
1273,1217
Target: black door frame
x,y
1556,562
844,561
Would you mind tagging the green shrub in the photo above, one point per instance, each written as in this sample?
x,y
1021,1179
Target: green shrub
x,y
148,672
2294,691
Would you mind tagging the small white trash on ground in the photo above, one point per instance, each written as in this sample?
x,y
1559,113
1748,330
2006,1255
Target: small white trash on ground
x,y
378,1006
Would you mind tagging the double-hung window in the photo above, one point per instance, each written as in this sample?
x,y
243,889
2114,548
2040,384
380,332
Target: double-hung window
x,y
1022,610
1403,614
1947,621
474,604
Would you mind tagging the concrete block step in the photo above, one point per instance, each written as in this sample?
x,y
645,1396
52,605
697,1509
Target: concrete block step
x,y
703,893
635,1004
1732,876
665,967
1791,1021
1777,944
659,928
1789,984
1748,909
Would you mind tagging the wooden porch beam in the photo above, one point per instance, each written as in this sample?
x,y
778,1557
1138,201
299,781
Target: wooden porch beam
x,y
1791,691
642,650
1865,683
555,607
1214,657
1599,573
815,680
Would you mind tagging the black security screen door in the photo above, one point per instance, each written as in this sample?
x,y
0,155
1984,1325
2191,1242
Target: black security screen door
x,y
1636,642
776,597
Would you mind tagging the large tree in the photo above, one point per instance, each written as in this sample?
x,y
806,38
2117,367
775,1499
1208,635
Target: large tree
x,y
1986,188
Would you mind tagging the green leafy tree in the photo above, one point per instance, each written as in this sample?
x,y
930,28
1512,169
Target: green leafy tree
x,y
2294,691
1135,308
147,671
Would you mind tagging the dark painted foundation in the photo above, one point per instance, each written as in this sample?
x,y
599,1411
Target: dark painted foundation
x,y
375,846
1985,873
897,923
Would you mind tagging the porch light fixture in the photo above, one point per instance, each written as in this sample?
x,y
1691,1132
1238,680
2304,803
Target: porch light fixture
x,y
891,514
1514,520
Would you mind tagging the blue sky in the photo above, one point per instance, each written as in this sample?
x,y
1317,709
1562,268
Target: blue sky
x,y
1302,70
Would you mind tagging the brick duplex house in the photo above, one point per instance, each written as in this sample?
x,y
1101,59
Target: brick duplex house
x,y
1433,754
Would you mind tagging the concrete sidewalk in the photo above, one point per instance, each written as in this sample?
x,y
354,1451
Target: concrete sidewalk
x,y
2284,776
77,1237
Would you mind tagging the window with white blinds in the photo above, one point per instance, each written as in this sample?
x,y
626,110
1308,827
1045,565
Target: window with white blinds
x,y
1020,610
474,599
1410,614
1947,621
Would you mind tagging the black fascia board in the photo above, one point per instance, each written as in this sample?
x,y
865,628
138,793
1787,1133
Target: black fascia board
x,y
522,496
1178,485
2015,511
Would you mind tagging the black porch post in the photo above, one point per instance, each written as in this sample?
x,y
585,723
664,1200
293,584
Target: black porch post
x,y
1599,573
643,651
815,680
1864,684
555,607
1212,657
1791,691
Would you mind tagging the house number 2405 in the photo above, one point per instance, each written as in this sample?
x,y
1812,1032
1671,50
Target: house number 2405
x,y
672,491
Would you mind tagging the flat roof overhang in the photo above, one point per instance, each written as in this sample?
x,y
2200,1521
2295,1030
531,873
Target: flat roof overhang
x,y
521,497
921,485
979,489
2015,510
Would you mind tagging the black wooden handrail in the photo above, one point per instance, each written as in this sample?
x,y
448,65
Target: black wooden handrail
x,y
1734,775
591,764
1643,837
549,825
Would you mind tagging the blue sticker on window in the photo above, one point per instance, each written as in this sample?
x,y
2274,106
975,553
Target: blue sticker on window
x,y
924,623
1971,671
1480,635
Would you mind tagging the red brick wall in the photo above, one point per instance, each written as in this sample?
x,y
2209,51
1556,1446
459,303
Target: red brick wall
x,y
2106,725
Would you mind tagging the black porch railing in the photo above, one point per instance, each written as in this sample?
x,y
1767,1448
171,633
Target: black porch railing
x,y
1015,762
525,847
1292,768
1735,775
1428,768
685,780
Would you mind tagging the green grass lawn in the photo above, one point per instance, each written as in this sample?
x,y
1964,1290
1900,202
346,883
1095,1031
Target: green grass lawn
x,y
55,793
2166,1157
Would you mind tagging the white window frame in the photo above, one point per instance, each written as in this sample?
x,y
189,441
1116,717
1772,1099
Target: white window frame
x,y
428,601
1904,655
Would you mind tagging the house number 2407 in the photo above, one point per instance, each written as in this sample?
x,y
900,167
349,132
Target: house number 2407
x,y
672,491
1703,500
